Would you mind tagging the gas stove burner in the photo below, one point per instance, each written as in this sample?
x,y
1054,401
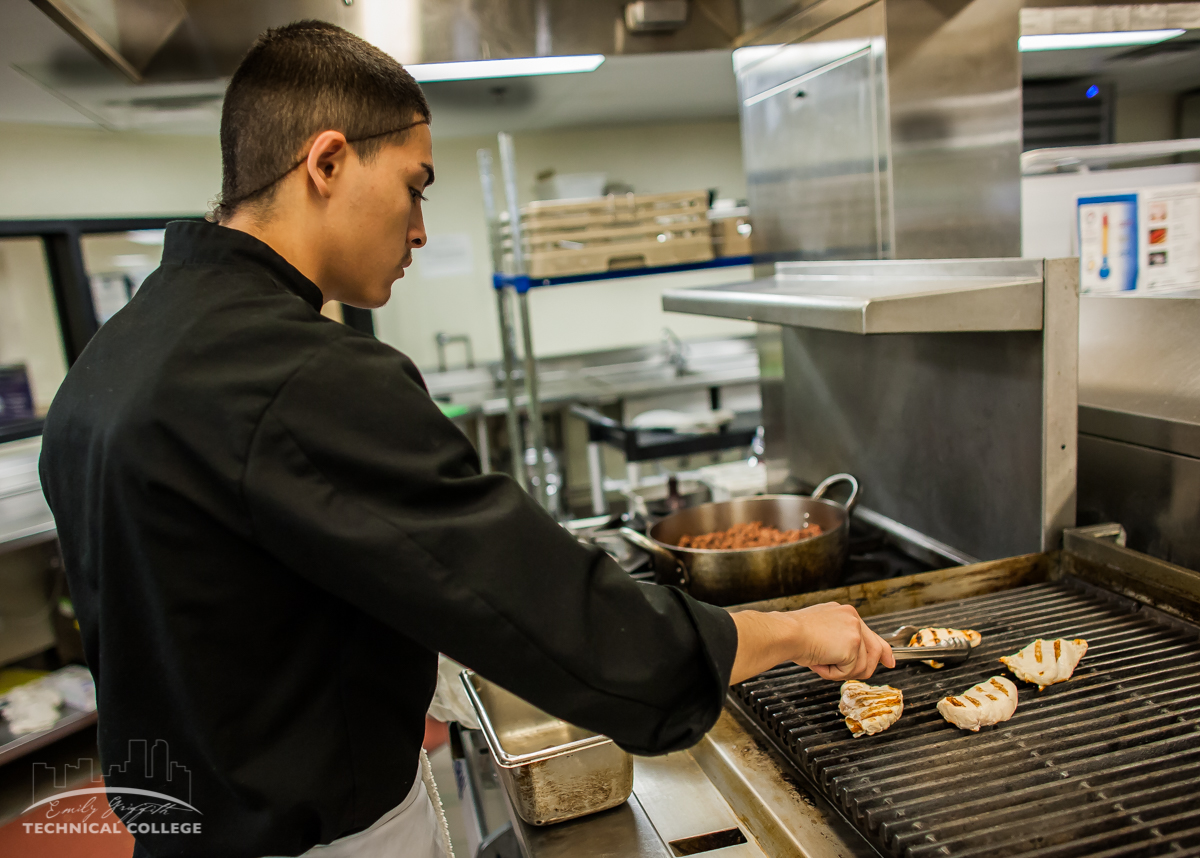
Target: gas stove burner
x,y
861,570
864,538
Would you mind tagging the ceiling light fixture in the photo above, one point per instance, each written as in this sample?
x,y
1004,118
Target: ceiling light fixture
x,y
520,67
1070,41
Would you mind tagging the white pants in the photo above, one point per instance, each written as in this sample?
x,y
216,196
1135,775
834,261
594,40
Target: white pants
x,y
415,828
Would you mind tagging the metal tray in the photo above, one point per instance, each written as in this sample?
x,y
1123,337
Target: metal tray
x,y
553,771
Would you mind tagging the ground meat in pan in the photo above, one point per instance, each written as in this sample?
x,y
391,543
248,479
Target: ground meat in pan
x,y
751,534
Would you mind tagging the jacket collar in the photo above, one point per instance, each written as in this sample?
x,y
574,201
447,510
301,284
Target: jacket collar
x,y
201,242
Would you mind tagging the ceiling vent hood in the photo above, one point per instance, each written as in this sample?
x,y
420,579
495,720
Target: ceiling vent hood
x,y
160,41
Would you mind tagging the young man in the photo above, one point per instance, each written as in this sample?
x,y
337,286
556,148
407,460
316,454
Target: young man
x,y
270,530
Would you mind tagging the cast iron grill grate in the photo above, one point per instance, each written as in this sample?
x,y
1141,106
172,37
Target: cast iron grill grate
x,y
1107,764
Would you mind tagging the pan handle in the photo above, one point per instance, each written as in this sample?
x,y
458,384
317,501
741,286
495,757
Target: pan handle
x,y
828,482
655,550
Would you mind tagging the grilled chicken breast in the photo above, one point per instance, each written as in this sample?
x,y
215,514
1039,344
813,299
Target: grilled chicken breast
x,y
870,709
934,637
992,701
1046,662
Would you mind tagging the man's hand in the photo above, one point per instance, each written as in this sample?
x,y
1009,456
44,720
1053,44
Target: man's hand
x,y
829,638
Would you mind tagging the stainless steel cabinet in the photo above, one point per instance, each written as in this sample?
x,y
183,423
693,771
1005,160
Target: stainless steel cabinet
x,y
816,164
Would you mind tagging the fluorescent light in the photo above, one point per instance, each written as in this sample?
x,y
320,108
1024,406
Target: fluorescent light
x,y
1067,41
520,67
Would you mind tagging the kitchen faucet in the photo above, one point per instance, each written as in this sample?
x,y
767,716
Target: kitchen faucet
x,y
442,339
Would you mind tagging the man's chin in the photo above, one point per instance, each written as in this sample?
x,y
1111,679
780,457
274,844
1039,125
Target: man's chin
x,y
371,300
382,296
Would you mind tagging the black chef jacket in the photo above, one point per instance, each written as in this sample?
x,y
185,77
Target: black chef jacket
x,y
270,530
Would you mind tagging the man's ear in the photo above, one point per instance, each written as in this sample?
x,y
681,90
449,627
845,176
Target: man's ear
x,y
326,160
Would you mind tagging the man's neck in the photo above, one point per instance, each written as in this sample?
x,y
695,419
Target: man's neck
x,y
288,240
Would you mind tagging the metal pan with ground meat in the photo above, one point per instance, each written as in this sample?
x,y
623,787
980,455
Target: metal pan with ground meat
x,y
734,576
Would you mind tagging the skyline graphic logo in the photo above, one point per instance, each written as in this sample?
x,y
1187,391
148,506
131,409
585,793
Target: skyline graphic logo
x,y
146,794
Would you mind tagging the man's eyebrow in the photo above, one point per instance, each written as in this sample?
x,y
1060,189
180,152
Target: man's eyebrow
x,y
429,173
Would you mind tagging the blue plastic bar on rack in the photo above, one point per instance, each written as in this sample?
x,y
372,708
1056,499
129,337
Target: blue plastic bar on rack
x,y
721,262
520,282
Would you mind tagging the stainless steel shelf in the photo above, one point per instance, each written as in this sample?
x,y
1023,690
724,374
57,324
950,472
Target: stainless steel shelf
x,y
881,297
606,377
25,518
72,721
1104,156
1156,432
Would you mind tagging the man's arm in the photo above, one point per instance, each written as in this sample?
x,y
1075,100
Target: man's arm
x,y
829,638
357,482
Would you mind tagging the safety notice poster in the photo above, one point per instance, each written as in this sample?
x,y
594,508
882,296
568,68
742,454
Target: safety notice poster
x,y
1169,237
1108,243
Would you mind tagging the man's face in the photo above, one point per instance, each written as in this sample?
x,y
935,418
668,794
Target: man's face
x,y
375,220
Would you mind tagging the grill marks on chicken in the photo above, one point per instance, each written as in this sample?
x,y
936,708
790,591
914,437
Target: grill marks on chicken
x,y
870,709
1046,662
992,701
935,637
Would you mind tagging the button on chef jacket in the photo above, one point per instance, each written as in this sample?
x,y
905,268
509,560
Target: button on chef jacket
x,y
269,531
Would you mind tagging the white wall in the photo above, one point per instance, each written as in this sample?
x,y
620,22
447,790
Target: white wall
x,y
72,172
57,171
29,332
582,317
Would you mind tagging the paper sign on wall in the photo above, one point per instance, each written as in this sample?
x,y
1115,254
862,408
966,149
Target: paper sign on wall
x,y
445,254
1108,243
1169,236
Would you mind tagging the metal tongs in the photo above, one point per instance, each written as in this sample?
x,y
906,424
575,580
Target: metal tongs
x,y
954,650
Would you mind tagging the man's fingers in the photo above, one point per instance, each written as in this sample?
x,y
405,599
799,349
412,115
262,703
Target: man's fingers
x,y
834,672
825,671
855,668
875,650
836,643
889,657
885,656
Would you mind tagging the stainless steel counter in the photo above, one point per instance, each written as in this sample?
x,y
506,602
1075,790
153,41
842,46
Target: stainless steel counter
x,y
1139,419
726,789
1139,354
674,806
25,518
604,377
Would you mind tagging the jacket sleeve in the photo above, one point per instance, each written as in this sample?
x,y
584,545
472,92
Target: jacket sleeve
x,y
357,481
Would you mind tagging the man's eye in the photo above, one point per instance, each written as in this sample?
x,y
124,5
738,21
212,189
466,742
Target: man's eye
x,y
417,195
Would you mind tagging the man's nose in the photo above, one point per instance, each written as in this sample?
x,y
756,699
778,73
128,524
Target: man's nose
x,y
416,230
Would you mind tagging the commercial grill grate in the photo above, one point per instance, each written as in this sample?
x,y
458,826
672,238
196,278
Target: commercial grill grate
x,y
1106,764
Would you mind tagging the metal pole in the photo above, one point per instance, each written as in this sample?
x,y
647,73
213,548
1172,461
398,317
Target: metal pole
x,y
483,444
508,339
508,335
595,456
537,432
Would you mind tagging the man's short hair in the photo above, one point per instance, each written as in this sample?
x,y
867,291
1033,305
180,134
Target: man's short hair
x,y
297,81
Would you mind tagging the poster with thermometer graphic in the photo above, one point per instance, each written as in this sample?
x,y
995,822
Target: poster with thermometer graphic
x,y
1146,239
1108,243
